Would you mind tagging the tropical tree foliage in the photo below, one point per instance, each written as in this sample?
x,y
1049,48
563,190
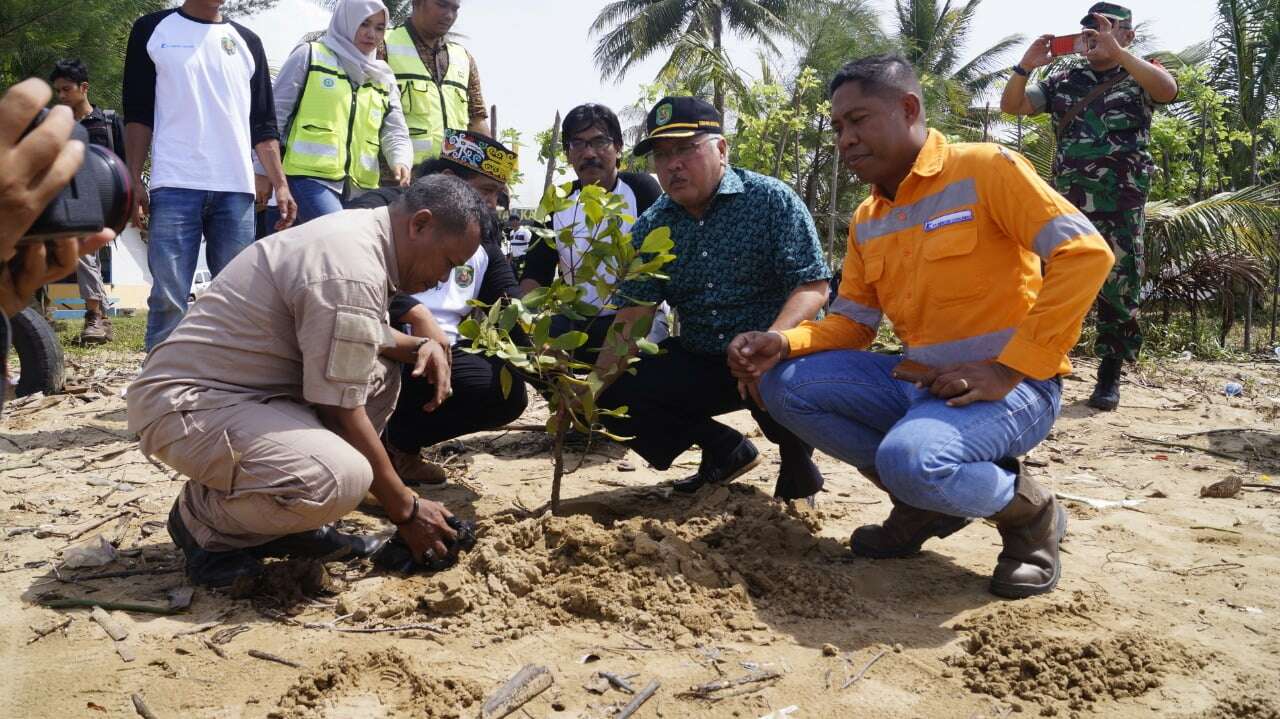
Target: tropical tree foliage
x,y
34,34
692,30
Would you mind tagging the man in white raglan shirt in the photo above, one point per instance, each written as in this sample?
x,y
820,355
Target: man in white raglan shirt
x,y
197,99
592,138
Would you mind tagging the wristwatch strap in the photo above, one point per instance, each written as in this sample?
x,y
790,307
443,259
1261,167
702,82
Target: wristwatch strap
x,y
1019,69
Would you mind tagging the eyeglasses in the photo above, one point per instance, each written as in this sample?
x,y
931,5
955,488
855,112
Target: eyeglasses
x,y
684,152
597,143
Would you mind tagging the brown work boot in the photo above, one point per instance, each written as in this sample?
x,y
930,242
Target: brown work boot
x,y
97,329
904,531
1032,526
413,469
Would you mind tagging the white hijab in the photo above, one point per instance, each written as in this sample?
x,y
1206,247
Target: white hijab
x,y
348,15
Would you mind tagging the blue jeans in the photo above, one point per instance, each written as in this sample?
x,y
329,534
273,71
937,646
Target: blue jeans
x,y
179,218
314,200
928,455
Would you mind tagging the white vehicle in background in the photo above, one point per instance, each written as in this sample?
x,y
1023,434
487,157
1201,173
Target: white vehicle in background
x,y
199,284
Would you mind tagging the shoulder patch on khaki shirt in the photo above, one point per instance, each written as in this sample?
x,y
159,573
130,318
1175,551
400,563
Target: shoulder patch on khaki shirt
x,y
357,334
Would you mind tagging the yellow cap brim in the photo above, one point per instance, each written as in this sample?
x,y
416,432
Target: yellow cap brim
x,y
644,146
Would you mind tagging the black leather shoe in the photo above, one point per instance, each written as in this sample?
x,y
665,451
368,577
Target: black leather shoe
x,y
740,461
322,542
797,479
210,569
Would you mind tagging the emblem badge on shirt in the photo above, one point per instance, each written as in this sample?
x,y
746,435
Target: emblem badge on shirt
x,y
951,218
228,46
463,276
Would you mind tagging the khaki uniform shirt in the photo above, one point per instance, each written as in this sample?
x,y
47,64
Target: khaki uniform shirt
x,y
299,315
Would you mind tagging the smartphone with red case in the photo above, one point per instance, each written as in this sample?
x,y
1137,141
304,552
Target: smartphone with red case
x,y
1067,45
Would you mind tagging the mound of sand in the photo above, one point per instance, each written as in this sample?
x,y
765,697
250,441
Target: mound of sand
x,y
1008,654
382,683
704,570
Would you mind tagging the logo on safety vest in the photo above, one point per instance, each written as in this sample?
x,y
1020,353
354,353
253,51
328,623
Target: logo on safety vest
x,y
463,276
228,46
328,83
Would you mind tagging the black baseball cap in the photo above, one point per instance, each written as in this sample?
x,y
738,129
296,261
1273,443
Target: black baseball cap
x,y
676,117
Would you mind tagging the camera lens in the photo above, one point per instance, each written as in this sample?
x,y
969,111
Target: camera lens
x,y
98,197
110,179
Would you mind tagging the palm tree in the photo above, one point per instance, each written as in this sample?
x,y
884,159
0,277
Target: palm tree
x,y
932,37
1247,38
632,30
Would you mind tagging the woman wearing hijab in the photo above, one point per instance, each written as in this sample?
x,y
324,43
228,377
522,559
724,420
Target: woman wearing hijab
x,y
337,107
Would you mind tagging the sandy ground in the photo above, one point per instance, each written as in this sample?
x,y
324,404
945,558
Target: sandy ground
x,y
1169,604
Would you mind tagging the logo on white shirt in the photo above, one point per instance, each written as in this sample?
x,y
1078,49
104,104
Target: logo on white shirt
x,y
228,45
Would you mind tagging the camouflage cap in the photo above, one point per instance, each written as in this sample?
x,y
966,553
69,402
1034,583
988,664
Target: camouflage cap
x,y
1119,13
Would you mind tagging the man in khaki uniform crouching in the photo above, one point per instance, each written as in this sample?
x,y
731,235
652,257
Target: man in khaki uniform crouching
x,y
271,394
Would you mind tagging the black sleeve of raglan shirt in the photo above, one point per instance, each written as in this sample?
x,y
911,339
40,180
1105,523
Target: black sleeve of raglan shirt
x,y
400,306
646,188
499,279
139,86
262,111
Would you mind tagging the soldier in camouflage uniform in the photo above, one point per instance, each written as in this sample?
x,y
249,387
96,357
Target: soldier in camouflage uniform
x,y
1102,165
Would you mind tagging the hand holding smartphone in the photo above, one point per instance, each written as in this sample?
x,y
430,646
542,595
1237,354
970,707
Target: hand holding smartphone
x,y
1067,45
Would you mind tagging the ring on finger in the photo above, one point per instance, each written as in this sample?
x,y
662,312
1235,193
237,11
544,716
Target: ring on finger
x,y
428,556
964,384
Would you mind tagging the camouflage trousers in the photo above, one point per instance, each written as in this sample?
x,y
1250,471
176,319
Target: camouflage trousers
x,y
1119,335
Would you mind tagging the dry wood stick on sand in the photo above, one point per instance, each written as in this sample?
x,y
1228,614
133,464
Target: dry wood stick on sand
x,y
267,656
853,680
711,690
77,532
42,632
527,683
222,654
127,573
141,707
374,630
109,625
75,602
638,701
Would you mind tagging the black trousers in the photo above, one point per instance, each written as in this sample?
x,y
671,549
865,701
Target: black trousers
x,y
671,402
597,329
476,405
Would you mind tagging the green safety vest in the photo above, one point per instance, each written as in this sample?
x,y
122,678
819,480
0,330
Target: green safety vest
x,y
336,127
429,106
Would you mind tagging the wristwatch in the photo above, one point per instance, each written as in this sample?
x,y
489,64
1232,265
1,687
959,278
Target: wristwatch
x,y
1019,69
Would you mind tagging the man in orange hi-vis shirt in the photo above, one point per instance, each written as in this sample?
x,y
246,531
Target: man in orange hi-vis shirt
x,y
950,246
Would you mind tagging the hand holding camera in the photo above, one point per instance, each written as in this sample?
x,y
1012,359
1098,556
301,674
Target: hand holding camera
x,y
54,188
34,166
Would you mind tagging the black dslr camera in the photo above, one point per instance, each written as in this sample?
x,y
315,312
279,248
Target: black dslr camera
x,y
99,196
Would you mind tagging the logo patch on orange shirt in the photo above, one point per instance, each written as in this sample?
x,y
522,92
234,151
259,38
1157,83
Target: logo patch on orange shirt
x,y
951,218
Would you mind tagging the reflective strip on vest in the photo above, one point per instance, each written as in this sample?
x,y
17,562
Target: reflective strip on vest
x,y
429,107
336,127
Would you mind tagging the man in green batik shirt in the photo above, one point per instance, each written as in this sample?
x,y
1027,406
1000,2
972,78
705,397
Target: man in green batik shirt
x,y
1102,115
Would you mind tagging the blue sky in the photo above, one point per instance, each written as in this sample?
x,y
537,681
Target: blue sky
x,y
534,56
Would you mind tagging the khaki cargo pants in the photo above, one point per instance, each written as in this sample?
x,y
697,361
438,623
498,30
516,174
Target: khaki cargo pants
x,y
258,471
